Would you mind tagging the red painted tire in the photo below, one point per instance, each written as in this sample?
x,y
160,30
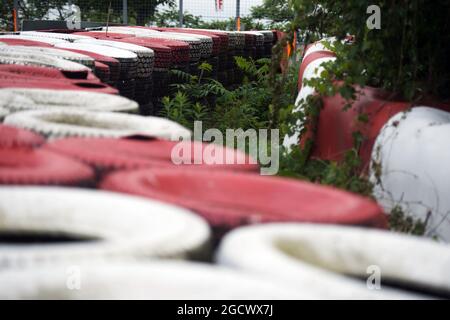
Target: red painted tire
x,y
25,42
228,200
163,53
103,35
116,154
31,72
113,64
92,86
12,137
308,59
215,37
41,167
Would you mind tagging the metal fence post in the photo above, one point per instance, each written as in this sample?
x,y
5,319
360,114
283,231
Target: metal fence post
x,y
180,14
238,15
15,15
125,12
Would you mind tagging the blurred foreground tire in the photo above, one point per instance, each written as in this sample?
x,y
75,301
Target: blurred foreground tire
x,y
72,122
64,225
321,258
150,281
11,137
25,166
21,99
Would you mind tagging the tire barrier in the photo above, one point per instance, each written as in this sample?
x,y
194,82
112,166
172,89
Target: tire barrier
x,y
60,123
145,66
158,280
145,56
227,200
127,60
104,36
250,45
17,99
29,73
75,225
125,154
409,168
18,76
315,55
37,83
11,137
25,166
195,44
113,65
130,70
268,43
257,49
102,72
335,261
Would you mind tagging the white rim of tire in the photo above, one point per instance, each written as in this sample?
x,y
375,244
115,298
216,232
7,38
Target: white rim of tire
x,y
51,41
60,123
57,53
18,99
157,280
317,256
144,55
120,226
94,47
38,59
195,44
54,35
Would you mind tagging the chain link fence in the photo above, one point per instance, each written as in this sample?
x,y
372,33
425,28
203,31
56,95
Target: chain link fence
x,y
189,13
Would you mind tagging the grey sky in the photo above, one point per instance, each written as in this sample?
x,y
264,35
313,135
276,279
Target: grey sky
x,y
206,8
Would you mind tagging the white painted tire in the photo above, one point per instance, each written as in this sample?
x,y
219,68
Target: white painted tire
x,y
52,52
18,99
38,59
150,281
97,48
195,44
317,257
120,226
54,35
3,113
313,70
145,56
51,41
61,123
409,168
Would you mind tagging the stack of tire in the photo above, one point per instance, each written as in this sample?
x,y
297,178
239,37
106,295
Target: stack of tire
x,y
143,82
268,43
13,76
42,67
213,59
395,132
258,41
197,47
127,61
